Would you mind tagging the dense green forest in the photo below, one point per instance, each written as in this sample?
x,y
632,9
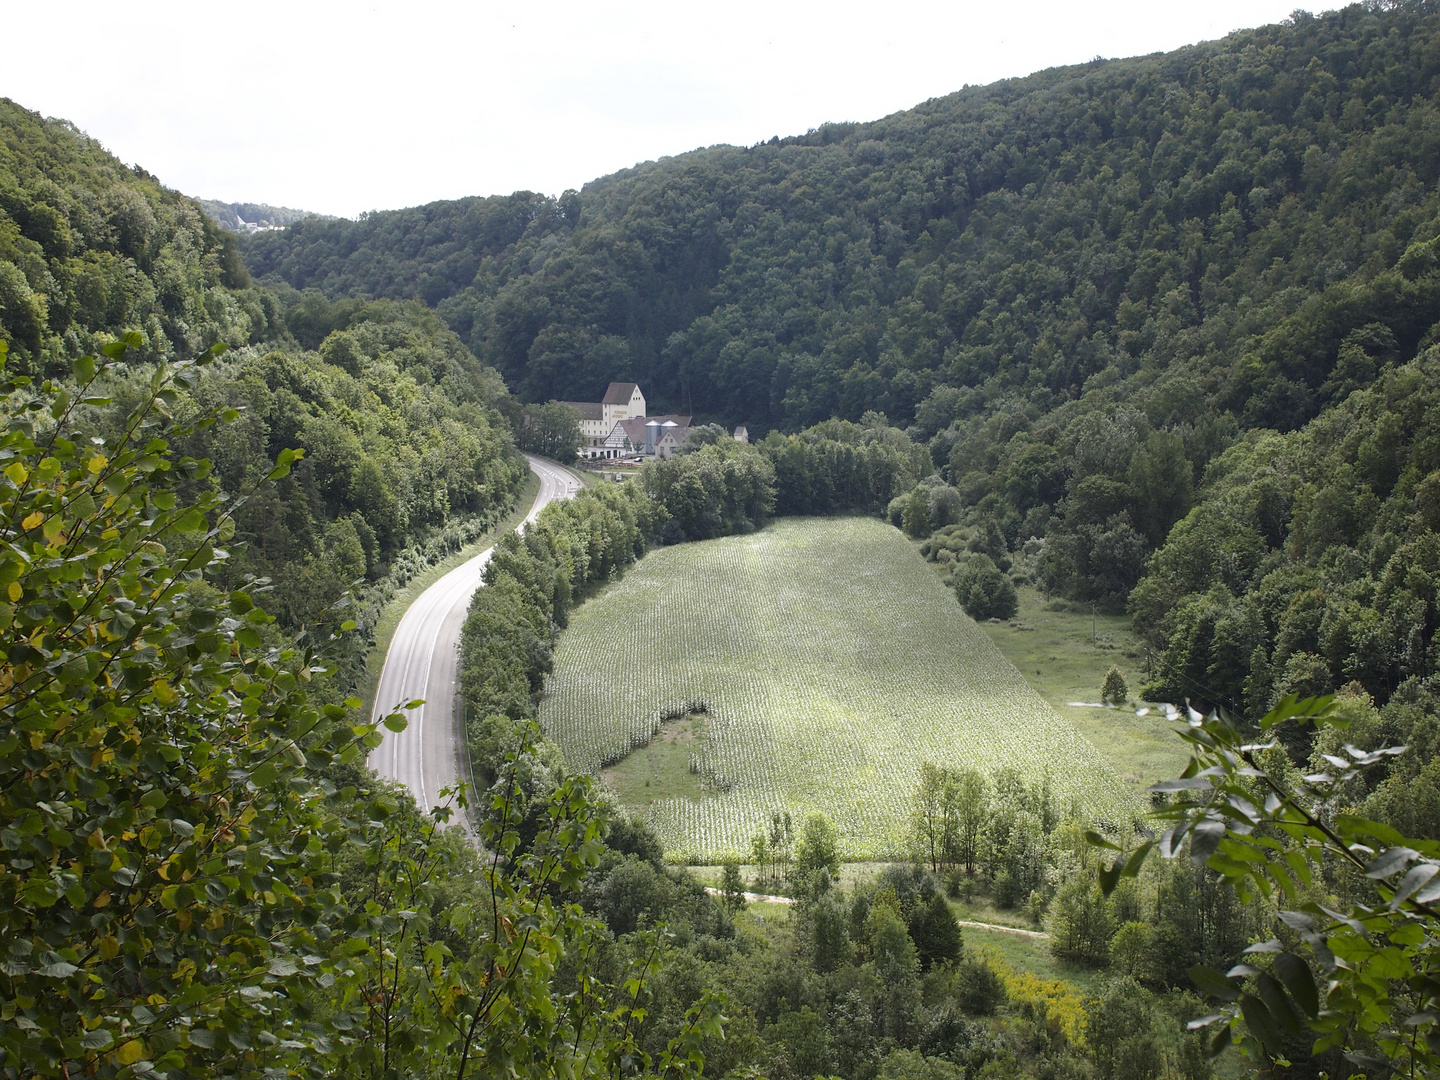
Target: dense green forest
x,y
1078,289
1155,333
407,439
89,246
1215,220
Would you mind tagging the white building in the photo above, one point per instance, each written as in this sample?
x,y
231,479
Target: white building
x,y
598,419
672,437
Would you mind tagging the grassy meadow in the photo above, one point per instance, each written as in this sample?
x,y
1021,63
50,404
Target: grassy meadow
x,y
1064,652
831,663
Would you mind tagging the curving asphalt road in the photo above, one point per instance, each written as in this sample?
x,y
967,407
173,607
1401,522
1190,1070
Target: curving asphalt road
x,y
423,663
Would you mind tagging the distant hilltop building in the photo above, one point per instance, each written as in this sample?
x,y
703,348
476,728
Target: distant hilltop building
x,y
254,217
618,426
741,435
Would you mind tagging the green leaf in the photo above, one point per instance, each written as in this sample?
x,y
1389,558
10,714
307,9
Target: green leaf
x,y
1213,983
1205,837
1220,1042
1191,784
1389,861
1297,978
1277,1004
39,893
1109,878
1301,711
1137,860
1261,1024
396,722
99,1039
1352,826
1412,882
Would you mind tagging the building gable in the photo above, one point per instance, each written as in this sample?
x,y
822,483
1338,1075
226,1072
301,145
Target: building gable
x,y
619,393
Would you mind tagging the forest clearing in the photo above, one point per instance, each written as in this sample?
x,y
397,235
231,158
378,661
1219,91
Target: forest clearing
x,y
827,663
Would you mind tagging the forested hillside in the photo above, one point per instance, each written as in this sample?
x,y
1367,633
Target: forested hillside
x,y
1160,332
1078,289
407,450
89,246
1225,215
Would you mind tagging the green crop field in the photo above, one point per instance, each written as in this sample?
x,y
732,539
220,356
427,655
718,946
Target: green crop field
x,y
832,663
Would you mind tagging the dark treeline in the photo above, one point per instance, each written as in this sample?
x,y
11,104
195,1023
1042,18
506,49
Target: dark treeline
x,y
1311,560
417,253
407,458
531,581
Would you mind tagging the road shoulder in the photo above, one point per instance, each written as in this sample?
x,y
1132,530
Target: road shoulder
x,y
394,611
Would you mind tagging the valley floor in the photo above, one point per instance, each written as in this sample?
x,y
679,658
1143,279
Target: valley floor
x,y
812,666
1063,652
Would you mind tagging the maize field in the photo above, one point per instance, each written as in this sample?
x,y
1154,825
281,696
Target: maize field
x,y
832,662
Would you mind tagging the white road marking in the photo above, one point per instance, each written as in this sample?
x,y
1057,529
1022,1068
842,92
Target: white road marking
x,y
422,664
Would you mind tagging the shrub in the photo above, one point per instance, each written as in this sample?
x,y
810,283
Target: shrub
x,y
1114,691
984,592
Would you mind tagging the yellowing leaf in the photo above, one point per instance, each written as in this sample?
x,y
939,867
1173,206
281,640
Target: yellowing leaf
x,y
33,521
98,462
15,592
130,1052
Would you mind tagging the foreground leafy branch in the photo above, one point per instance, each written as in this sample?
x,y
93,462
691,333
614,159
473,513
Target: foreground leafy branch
x,y
178,886
167,874
504,978
1355,962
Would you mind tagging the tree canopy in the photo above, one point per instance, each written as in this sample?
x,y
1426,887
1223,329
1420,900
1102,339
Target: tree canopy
x,y
1203,229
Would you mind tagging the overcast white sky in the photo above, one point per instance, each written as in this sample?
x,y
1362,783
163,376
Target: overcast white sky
x,y
341,108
